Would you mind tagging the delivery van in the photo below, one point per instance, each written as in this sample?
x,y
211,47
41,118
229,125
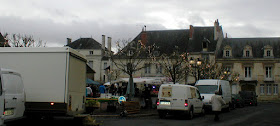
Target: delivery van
x,y
179,99
12,95
208,87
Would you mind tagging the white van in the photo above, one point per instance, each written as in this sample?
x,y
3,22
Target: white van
x,y
179,99
208,87
12,96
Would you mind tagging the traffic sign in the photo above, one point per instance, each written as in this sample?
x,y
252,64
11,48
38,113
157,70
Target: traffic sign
x,y
121,99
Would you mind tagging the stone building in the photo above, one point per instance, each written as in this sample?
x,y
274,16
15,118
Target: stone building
x,y
257,60
95,54
199,42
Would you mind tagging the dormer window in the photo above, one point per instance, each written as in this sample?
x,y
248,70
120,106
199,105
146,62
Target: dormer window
x,y
90,52
227,51
268,51
205,43
247,52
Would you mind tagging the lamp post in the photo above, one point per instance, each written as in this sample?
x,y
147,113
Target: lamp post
x,y
196,64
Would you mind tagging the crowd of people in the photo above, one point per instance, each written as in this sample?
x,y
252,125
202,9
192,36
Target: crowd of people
x,y
145,93
95,90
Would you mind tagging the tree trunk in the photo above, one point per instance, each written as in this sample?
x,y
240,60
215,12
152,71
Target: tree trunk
x,y
130,88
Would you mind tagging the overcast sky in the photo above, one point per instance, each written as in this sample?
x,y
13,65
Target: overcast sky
x,y
55,20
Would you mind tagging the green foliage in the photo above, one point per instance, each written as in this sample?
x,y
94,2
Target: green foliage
x,y
91,103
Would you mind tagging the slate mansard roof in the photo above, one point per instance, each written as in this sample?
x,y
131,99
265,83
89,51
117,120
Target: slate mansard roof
x,y
85,43
237,45
167,40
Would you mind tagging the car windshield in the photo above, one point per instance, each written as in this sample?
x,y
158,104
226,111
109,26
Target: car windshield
x,y
207,89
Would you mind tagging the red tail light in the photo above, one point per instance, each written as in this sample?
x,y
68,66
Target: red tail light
x,y
186,103
157,102
250,103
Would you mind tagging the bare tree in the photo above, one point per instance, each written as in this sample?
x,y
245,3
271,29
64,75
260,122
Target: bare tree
x,y
18,40
211,70
130,58
175,65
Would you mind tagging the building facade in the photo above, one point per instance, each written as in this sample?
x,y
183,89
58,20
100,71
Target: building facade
x,y
257,61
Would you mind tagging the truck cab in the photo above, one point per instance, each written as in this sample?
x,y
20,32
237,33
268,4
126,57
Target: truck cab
x,y
12,95
208,87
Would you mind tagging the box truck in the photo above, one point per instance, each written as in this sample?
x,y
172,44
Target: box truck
x,y
54,78
208,87
12,96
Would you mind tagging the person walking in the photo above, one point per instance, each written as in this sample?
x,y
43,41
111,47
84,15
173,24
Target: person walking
x,y
217,102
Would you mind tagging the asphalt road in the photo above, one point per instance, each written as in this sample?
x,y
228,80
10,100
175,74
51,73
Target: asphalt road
x,y
263,114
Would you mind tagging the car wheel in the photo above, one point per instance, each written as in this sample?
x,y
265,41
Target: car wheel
x,y
202,112
162,114
190,115
233,105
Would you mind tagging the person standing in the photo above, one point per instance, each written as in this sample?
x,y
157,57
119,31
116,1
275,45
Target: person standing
x,y
102,89
217,102
88,91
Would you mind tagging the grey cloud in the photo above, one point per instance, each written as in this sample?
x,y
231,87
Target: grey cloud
x,y
54,21
56,33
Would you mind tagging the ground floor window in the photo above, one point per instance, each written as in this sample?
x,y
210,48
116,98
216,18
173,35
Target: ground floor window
x,y
275,89
268,89
262,89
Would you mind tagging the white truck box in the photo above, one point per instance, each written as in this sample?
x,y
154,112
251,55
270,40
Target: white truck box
x,y
54,78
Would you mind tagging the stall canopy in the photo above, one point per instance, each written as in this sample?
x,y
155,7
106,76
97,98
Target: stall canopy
x,y
139,81
89,81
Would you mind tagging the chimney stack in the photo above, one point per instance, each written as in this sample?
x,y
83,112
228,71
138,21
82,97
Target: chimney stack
x,y
103,42
191,32
216,29
69,40
109,44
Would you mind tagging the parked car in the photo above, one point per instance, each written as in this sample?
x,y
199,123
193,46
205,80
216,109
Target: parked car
x,y
179,99
250,97
238,100
12,95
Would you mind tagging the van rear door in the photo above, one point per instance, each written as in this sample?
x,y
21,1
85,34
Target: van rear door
x,y
178,98
10,96
11,83
165,95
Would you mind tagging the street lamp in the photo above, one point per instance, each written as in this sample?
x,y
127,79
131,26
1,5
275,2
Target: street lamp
x,y
196,64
